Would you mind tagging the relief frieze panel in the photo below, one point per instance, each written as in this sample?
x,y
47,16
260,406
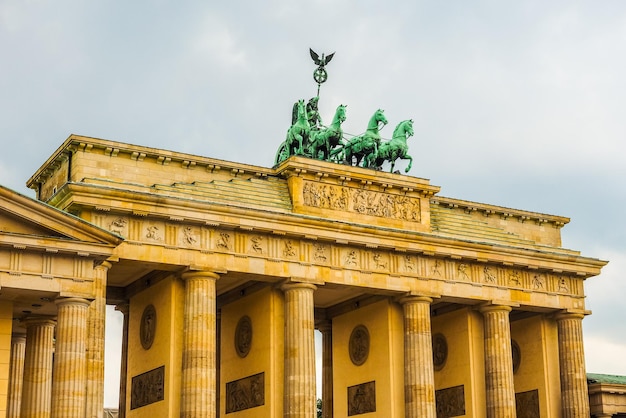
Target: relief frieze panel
x,y
365,202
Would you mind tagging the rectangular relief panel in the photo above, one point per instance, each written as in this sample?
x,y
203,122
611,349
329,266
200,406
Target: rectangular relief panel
x,y
147,388
527,404
245,393
450,402
362,398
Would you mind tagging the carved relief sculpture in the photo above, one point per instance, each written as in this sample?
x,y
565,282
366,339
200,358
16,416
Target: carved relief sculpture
x,y
450,402
243,336
147,328
366,202
362,398
245,393
440,351
359,345
516,354
223,241
147,388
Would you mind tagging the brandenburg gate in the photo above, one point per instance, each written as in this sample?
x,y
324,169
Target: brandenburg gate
x,y
428,306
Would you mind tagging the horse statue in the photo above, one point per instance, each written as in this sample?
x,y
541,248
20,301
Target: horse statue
x,y
396,147
363,147
298,133
324,140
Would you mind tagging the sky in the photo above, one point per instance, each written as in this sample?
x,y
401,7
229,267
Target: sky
x,y
518,104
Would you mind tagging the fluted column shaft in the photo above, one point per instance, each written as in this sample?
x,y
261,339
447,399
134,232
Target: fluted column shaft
x,y
16,374
199,388
299,391
69,380
419,375
574,392
37,386
123,308
326,329
500,390
95,344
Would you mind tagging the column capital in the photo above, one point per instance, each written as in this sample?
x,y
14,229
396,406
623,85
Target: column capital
x,y
18,338
38,320
71,301
494,308
105,265
324,325
415,299
560,316
200,274
297,285
123,307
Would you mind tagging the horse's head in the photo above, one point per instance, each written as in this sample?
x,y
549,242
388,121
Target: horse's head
x,y
301,109
379,116
341,113
404,129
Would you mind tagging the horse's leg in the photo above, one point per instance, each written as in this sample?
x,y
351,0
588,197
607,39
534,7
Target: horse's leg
x,y
408,157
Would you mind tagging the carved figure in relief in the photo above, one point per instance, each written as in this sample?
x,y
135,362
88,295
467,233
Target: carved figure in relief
x,y
189,236
436,267
514,278
237,397
117,226
490,276
153,233
409,263
462,271
289,251
563,287
380,261
257,243
224,241
351,258
538,281
320,254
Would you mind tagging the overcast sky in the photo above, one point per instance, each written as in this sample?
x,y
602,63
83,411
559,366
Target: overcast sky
x,y
517,103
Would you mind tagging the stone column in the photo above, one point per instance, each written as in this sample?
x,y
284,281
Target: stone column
x,y
123,308
198,391
574,392
16,374
500,391
69,380
299,391
419,375
95,344
37,386
326,328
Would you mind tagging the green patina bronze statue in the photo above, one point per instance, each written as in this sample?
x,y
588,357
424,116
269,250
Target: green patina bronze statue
x,y
396,148
308,137
363,147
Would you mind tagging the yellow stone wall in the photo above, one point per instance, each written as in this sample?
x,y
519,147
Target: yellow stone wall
x,y
537,338
266,311
167,296
384,364
465,364
6,327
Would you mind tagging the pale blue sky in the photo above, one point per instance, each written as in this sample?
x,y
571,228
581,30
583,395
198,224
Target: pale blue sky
x,y
519,104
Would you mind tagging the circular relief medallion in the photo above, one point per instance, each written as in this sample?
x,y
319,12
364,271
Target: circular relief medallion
x,y
243,336
516,353
359,345
147,328
440,351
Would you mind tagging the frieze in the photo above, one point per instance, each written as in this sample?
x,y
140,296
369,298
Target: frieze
x,y
364,202
362,398
450,402
245,393
147,388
